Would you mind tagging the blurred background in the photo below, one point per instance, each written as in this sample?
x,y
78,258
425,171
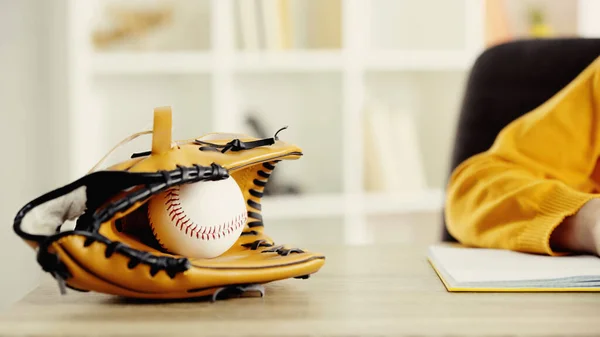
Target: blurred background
x,y
370,90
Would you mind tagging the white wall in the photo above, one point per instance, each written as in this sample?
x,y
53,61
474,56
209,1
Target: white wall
x,y
588,25
28,122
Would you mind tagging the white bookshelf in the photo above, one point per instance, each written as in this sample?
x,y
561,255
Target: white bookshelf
x,y
124,63
406,61
128,63
295,61
333,205
419,60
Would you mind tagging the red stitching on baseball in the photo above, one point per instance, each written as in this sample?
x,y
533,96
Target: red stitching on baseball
x,y
176,215
177,209
184,222
188,227
177,224
173,205
194,231
205,232
171,196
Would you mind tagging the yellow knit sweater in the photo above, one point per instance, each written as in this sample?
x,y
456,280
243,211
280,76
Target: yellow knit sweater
x,y
542,168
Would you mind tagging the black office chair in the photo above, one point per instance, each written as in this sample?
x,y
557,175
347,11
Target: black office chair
x,y
510,80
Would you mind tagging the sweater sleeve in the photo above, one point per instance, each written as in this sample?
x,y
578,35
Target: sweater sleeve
x,y
540,169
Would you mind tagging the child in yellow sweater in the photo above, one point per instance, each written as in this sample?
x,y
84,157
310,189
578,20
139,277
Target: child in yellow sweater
x,y
537,189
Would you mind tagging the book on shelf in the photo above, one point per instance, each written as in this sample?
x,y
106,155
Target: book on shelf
x,y
247,24
287,24
263,24
392,150
465,269
324,23
268,27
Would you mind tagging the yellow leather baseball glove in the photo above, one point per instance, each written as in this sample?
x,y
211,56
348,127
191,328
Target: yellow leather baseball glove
x,y
110,247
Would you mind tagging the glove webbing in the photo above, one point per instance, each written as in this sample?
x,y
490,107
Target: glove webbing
x,y
89,223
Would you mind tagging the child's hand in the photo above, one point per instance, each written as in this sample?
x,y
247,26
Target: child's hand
x,y
579,233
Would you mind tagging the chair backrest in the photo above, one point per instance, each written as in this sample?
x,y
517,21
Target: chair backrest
x,y
510,80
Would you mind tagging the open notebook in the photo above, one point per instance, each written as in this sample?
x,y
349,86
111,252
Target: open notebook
x,y
492,270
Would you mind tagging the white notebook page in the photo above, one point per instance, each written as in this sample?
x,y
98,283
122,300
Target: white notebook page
x,y
490,265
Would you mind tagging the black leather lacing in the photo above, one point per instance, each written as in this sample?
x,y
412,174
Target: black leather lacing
x,y
238,145
257,192
179,176
90,222
281,250
256,244
251,232
50,263
172,266
254,204
141,154
259,185
258,222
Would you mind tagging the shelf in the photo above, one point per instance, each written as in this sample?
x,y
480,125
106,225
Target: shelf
x,y
419,60
302,206
152,62
288,61
203,62
333,205
418,201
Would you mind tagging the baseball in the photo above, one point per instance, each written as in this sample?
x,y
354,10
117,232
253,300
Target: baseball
x,y
200,220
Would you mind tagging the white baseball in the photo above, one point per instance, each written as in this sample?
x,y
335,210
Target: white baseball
x,y
201,220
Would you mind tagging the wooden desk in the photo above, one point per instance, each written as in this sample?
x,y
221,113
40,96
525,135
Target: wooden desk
x,y
361,291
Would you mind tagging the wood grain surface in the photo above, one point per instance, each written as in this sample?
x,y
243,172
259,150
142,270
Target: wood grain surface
x,y
376,290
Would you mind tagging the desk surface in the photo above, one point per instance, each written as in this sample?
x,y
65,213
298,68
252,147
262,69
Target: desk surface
x,y
365,290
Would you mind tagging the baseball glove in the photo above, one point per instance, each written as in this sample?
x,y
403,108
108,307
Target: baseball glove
x,y
109,247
